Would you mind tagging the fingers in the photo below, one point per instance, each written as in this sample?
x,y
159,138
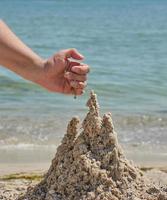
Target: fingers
x,y
73,53
75,77
76,73
77,88
78,85
81,69
78,92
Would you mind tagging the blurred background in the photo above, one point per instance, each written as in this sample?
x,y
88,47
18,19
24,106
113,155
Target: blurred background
x,y
124,42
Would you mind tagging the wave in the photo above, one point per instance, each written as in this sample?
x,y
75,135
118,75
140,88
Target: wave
x,y
25,146
49,129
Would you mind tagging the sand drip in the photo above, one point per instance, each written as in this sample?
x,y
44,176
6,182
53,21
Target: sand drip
x,y
90,165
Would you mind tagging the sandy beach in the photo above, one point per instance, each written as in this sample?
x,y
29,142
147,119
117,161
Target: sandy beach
x,y
117,150
88,165
15,184
16,178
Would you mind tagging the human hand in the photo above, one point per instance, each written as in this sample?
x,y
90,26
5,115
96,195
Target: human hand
x,y
61,75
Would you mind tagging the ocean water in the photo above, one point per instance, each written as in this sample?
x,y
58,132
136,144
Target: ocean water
x,y
124,42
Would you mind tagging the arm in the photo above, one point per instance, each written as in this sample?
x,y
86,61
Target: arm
x,y
50,73
16,56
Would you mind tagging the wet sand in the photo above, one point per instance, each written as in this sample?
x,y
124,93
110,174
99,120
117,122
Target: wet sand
x,y
14,185
88,165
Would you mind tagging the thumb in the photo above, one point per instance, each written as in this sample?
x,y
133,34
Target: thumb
x,y
73,53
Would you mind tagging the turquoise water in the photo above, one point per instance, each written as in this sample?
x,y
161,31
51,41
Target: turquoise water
x,y
124,42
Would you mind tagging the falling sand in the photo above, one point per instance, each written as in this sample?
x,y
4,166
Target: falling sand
x,y
91,166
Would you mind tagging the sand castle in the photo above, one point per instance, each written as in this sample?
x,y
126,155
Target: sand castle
x,y
90,165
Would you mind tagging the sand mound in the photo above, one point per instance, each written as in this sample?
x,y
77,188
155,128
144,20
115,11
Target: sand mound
x,y
91,166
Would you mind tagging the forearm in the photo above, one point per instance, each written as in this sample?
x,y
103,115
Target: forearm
x,y
50,73
16,56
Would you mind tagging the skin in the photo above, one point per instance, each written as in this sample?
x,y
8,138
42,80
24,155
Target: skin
x,y
56,74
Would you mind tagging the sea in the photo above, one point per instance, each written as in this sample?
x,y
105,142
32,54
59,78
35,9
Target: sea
x,y
124,43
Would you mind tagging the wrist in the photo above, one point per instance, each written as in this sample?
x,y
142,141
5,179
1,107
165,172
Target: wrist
x,y
36,72
31,69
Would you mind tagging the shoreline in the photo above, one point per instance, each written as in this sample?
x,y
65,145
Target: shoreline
x,y
8,169
29,161
19,168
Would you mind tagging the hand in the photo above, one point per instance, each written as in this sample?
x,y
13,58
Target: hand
x,y
56,74
64,76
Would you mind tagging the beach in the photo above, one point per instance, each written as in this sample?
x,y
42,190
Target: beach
x,y
127,55
124,43
87,165
14,185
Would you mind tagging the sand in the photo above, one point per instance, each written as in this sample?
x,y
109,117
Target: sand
x,y
91,165
14,185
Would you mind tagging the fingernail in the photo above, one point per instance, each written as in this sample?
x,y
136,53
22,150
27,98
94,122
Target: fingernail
x,y
80,54
73,69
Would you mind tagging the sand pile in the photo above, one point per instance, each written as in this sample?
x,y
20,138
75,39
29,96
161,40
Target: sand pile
x,y
91,166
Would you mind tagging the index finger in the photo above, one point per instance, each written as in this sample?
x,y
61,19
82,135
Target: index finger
x,y
80,69
73,53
